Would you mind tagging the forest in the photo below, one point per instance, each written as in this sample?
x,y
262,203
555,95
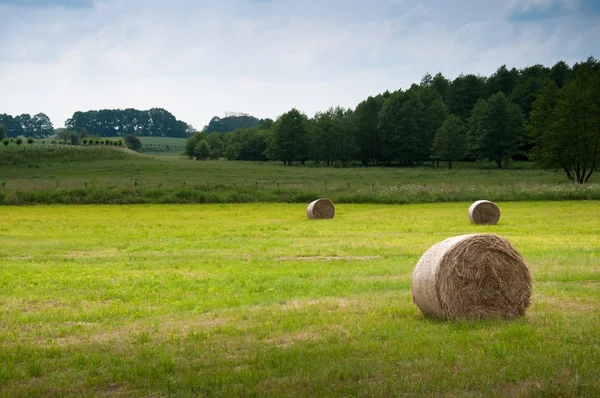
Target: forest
x,y
551,115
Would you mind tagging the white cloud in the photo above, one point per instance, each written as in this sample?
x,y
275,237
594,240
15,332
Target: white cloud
x,y
199,59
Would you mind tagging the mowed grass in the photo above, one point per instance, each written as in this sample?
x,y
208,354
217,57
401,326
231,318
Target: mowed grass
x,y
257,300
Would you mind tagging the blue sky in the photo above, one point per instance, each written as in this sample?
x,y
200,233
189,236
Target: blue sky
x,y
201,58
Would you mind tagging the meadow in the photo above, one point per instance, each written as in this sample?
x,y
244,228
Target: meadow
x,y
74,175
257,300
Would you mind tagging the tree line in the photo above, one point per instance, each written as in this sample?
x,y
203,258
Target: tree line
x,y
155,122
512,114
25,125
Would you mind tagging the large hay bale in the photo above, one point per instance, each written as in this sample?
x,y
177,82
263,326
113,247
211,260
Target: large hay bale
x,y
321,209
472,277
484,212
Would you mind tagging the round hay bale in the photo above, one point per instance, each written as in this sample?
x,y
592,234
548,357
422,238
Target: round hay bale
x,y
472,277
484,212
320,209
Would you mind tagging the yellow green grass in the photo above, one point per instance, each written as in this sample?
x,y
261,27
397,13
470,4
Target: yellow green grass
x,y
257,300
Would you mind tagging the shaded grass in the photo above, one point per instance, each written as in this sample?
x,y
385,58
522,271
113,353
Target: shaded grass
x,y
257,300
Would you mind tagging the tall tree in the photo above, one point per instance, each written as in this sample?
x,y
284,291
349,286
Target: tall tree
x,y
42,125
450,142
389,127
531,80
497,129
503,80
565,124
463,94
291,138
324,137
345,147
560,73
368,138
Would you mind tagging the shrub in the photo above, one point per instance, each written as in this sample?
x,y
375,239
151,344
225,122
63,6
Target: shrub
x,y
6,141
133,142
19,141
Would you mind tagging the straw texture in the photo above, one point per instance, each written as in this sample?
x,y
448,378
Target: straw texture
x,y
484,212
472,277
321,209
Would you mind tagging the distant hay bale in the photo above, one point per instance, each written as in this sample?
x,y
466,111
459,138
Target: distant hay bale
x,y
320,209
484,212
472,277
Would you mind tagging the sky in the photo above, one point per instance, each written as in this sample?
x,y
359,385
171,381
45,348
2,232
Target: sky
x,y
199,58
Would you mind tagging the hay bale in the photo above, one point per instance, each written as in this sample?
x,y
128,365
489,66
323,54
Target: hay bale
x,y
320,209
484,212
472,277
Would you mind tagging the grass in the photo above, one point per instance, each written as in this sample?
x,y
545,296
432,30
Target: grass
x,y
257,300
110,176
162,146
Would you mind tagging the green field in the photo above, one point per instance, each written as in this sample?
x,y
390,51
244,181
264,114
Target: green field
x,y
257,300
162,146
116,176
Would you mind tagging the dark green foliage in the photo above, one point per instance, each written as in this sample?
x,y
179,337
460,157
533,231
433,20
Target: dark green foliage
x,y
6,141
531,80
333,136
565,124
496,130
19,141
202,150
69,135
2,132
132,142
407,124
291,139
368,136
450,142
156,122
503,80
230,123
30,141
560,73
463,94
37,126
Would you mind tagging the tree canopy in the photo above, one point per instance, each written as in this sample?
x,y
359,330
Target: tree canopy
x,y
156,122
565,124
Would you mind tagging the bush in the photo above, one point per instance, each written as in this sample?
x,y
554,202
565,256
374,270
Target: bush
x,y
133,142
19,141
6,141
30,141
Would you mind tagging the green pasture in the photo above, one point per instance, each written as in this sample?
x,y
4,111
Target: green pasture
x,y
258,300
100,175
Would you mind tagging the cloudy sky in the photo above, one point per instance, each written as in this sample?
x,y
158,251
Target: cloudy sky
x,y
200,58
